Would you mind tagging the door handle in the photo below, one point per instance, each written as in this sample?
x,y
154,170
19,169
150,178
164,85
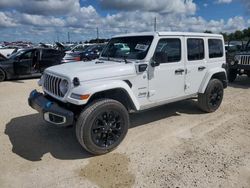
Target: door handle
x,y
201,68
179,71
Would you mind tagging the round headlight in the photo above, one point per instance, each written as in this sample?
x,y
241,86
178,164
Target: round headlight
x,y
41,81
237,58
64,86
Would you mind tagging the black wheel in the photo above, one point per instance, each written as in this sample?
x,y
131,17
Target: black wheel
x,y
2,75
211,100
102,126
248,74
232,75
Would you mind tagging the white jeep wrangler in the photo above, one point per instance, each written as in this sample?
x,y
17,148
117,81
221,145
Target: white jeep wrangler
x,y
154,69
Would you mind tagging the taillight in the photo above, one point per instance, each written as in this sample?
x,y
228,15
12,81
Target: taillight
x,y
77,58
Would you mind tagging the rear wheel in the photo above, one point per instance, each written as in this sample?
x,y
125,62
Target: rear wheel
x,y
211,100
2,75
102,126
232,75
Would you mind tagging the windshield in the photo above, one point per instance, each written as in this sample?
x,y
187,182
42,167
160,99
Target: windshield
x,y
135,47
80,48
18,53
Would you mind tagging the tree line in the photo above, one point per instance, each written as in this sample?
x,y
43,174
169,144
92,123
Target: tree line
x,y
243,35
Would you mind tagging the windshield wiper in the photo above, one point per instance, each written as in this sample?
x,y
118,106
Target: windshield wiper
x,y
125,60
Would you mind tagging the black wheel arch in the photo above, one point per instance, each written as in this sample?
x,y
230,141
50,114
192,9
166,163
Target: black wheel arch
x,y
222,77
118,94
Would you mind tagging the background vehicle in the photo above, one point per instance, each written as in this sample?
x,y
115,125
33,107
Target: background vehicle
x,y
153,69
7,51
92,52
74,54
29,63
239,63
89,52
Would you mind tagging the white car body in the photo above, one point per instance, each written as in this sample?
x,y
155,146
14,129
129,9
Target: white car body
x,y
152,87
6,51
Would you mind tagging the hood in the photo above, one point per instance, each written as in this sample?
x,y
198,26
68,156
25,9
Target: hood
x,y
243,53
93,70
2,57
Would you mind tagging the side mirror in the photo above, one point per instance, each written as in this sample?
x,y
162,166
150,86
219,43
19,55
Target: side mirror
x,y
154,63
158,58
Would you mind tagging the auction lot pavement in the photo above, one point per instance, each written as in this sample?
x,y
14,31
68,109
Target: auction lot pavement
x,y
175,145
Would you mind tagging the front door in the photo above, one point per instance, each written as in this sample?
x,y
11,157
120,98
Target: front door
x,y
166,81
195,64
23,64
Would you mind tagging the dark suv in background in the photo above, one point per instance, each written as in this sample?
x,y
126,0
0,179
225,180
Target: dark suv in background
x,y
239,62
29,63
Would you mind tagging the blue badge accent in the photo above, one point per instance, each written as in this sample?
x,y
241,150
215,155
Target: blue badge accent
x,y
33,93
49,104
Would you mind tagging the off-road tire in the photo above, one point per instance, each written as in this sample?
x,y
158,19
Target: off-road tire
x,y
205,100
232,75
2,75
88,118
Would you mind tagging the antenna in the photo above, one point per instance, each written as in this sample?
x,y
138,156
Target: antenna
x,y
155,21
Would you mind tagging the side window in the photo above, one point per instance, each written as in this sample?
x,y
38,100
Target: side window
x,y
215,47
168,51
78,48
195,49
26,56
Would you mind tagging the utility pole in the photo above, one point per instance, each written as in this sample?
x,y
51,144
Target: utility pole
x,y
97,34
155,21
57,35
68,37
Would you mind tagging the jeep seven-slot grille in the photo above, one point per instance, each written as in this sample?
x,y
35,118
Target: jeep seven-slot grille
x,y
52,84
245,60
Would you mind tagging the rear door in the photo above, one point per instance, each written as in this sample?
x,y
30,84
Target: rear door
x,y
50,57
196,64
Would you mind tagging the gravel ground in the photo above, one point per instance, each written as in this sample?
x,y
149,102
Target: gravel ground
x,y
175,145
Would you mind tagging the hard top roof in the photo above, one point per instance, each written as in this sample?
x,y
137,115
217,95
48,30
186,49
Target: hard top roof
x,y
170,34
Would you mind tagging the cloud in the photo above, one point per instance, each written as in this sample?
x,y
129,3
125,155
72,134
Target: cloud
x,y
6,20
166,6
41,7
246,4
83,21
224,1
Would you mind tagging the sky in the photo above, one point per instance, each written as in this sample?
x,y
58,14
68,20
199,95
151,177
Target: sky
x,y
52,20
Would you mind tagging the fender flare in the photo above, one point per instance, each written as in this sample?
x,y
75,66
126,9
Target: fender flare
x,y
91,88
208,77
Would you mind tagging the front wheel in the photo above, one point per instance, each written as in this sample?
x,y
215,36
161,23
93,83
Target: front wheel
x,y
211,100
102,126
2,75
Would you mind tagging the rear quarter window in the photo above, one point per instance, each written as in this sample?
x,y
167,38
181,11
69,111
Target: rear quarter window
x,y
215,47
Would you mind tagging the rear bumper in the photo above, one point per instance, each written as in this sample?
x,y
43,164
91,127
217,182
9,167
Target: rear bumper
x,y
50,110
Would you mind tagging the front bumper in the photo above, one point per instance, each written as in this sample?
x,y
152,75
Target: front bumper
x,y
51,111
239,66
